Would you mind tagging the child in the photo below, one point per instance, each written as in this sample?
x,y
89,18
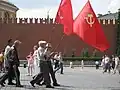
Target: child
x,y
30,63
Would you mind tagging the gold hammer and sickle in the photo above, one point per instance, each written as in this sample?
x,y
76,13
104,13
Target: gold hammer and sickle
x,y
91,22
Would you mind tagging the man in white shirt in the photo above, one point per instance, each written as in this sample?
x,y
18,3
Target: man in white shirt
x,y
56,60
7,49
60,63
7,66
44,68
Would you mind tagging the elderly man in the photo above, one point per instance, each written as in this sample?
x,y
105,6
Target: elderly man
x,y
44,68
49,57
14,59
7,66
13,62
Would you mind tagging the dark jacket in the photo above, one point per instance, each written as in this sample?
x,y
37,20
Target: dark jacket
x,y
13,56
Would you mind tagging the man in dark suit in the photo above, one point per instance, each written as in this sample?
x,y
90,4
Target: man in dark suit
x,y
8,66
13,63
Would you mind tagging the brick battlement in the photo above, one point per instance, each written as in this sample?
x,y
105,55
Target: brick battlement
x,y
108,21
27,20
47,21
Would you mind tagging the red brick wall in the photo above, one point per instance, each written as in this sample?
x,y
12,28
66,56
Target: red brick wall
x,y
30,34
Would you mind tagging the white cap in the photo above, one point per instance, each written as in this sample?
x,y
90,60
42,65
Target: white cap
x,y
40,42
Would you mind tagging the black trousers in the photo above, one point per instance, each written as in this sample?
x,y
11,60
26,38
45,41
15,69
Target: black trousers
x,y
97,66
17,75
44,74
107,67
51,73
56,64
60,67
8,75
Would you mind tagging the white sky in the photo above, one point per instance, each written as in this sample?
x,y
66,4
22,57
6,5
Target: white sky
x,y
30,8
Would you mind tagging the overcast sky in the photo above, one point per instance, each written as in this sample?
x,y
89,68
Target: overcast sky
x,y
39,8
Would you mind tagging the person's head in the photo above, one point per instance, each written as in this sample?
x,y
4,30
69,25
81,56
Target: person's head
x,y
56,53
10,42
113,55
35,47
17,43
49,46
106,55
42,44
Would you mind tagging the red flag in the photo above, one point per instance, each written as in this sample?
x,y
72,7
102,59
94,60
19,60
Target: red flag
x,y
65,16
88,28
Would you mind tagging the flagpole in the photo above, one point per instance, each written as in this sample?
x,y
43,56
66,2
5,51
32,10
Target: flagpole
x,y
58,43
50,36
53,27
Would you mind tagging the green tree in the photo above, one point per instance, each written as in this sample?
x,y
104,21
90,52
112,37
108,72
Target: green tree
x,y
118,35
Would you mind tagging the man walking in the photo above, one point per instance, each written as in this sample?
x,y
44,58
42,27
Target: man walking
x,y
44,68
14,60
60,63
7,66
107,64
48,57
13,63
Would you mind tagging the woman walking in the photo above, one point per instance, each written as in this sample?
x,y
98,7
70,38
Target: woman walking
x,y
30,64
35,57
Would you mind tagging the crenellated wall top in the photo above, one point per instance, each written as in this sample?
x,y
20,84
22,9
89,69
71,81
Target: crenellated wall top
x,y
47,21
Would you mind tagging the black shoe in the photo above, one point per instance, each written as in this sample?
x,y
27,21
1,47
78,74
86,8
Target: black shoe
x,y
38,84
2,84
61,73
19,85
49,86
11,83
33,77
56,84
32,83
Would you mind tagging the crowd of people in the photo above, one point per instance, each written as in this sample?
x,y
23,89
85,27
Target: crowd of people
x,y
110,64
41,57
11,64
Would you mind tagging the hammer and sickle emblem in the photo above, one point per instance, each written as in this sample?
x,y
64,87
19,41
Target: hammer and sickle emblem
x,y
90,20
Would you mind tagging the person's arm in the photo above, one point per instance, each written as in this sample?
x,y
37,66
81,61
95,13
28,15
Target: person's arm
x,y
11,56
27,57
7,49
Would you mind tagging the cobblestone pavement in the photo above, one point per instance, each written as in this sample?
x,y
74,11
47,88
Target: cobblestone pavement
x,y
74,79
